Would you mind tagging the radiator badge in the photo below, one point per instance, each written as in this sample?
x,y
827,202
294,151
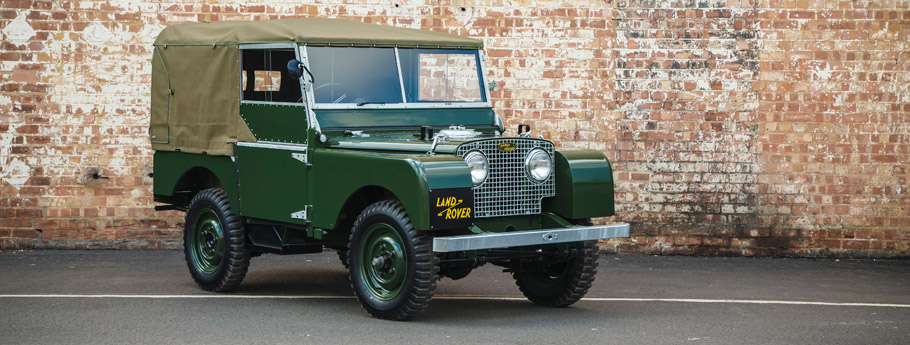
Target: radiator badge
x,y
451,208
508,147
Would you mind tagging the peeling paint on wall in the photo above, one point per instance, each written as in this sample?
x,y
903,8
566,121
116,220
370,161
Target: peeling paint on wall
x,y
18,31
15,173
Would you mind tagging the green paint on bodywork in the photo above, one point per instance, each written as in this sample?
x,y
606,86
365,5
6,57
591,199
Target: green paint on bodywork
x,y
544,220
338,174
444,171
283,123
584,185
171,166
414,118
273,184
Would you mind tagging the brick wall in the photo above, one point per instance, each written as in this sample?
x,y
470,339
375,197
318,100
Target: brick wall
x,y
735,127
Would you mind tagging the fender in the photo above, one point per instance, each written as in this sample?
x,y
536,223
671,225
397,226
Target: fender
x,y
171,166
584,185
337,174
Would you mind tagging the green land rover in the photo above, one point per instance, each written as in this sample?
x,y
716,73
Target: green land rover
x,y
294,135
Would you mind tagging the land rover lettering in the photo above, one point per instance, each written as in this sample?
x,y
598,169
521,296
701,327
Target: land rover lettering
x,y
451,208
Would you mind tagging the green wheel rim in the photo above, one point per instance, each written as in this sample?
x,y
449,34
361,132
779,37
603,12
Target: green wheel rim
x,y
383,261
207,241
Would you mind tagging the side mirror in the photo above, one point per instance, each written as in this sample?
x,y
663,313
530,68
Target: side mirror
x,y
493,86
295,69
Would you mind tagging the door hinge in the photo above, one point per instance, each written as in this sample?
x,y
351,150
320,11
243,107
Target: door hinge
x,y
302,214
300,156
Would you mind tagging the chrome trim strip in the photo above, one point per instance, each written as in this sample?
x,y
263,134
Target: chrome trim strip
x,y
288,104
268,46
387,146
404,98
483,74
529,238
273,145
435,105
309,96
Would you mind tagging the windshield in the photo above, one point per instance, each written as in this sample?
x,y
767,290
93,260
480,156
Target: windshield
x,y
361,76
441,75
354,75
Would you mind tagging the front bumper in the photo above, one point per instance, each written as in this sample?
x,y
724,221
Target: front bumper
x,y
529,238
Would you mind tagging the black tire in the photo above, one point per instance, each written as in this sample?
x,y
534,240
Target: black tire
x,y
560,284
343,257
382,244
215,264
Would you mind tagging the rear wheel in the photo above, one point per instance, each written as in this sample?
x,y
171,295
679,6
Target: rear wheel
x,y
213,242
563,283
392,269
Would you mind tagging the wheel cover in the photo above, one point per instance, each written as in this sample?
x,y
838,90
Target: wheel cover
x,y
383,261
207,241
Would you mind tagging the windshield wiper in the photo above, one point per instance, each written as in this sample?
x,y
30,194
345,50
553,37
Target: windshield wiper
x,y
365,103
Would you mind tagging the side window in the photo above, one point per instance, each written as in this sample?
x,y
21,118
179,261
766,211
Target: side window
x,y
265,77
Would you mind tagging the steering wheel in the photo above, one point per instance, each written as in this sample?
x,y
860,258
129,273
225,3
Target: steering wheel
x,y
339,86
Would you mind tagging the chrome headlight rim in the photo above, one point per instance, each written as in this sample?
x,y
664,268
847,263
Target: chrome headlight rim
x,y
485,163
534,153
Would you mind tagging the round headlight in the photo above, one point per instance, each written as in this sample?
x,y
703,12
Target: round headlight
x,y
538,165
478,165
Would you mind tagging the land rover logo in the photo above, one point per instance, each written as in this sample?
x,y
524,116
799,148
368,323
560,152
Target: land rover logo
x,y
451,208
508,147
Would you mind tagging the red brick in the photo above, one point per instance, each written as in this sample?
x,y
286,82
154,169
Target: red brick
x,y
25,233
791,121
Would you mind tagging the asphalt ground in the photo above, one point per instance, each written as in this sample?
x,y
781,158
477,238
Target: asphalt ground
x,y
148,297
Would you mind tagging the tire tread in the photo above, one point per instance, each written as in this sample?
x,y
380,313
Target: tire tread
x,y
237,262
579,282
425,263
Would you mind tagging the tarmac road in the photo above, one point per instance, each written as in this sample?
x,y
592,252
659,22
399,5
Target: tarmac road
x,y
148,297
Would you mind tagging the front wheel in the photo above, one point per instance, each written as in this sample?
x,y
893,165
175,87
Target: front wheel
x,y
560,284
213,242
392,269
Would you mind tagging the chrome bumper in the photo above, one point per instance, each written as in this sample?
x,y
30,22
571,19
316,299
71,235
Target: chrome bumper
x,y
529,238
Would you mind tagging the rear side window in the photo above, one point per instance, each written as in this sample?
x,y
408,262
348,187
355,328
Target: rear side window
x,y
265,77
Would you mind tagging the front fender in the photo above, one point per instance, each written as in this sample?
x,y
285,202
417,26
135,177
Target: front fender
x,y
337,174
584,185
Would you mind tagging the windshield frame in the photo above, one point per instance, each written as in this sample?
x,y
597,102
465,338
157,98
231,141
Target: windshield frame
x,y
485,92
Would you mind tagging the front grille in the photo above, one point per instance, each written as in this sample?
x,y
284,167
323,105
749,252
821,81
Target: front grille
x,y
508,190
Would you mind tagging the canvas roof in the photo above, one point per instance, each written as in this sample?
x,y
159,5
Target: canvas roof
x,y
307,30
196,73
